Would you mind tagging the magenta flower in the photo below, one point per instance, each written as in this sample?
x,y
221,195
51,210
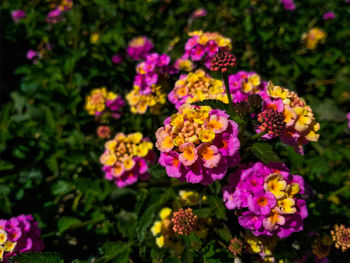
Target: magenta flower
x,y
22,235
253,180
348,116
261,203
32,54
202,46
329,15
242,84
147,92
197,53
139,48
17,15
250,220
54,16
267,194
117,59
288,5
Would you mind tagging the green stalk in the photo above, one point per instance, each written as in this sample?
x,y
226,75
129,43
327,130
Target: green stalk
x,y
228,93
258,136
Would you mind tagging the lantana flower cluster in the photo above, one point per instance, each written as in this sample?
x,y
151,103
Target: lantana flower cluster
x,y
55,15
204,45
341,237
18,15
198,144
267,199
147,91
196,86
165,236
288,5
18,235
125,158
139,48
313,37
184,221
163,231
101,101
41,51
242,84
301,124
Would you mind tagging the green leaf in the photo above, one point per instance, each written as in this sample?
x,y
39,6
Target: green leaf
x,y
126,224
224,233
6,165
157,171
172,259
113,249
61,187
66,222
264,152
203,212
50,121
123,257
146,221
44,257
195,241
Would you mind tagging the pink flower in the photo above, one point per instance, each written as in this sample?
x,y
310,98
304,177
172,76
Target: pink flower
x,y
198,144
267,195
117,59
25,232
125,159
329,15
261,203
348,116
139,48
32,54
197,53
200,12
18,15
288,5
54,16
103,132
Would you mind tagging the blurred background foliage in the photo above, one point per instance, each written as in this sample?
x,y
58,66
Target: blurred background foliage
x,y
49,162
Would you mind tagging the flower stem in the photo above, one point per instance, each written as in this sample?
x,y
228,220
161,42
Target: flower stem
x,y
228,93
259,135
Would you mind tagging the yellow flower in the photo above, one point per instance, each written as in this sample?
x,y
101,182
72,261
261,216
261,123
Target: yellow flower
x,y
165,213
292,189
277,92
254,79
190,197
3,237
156,228
94,37
128,163
160,241
303,119
275,184
134,137
9,246
206,135
286,206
